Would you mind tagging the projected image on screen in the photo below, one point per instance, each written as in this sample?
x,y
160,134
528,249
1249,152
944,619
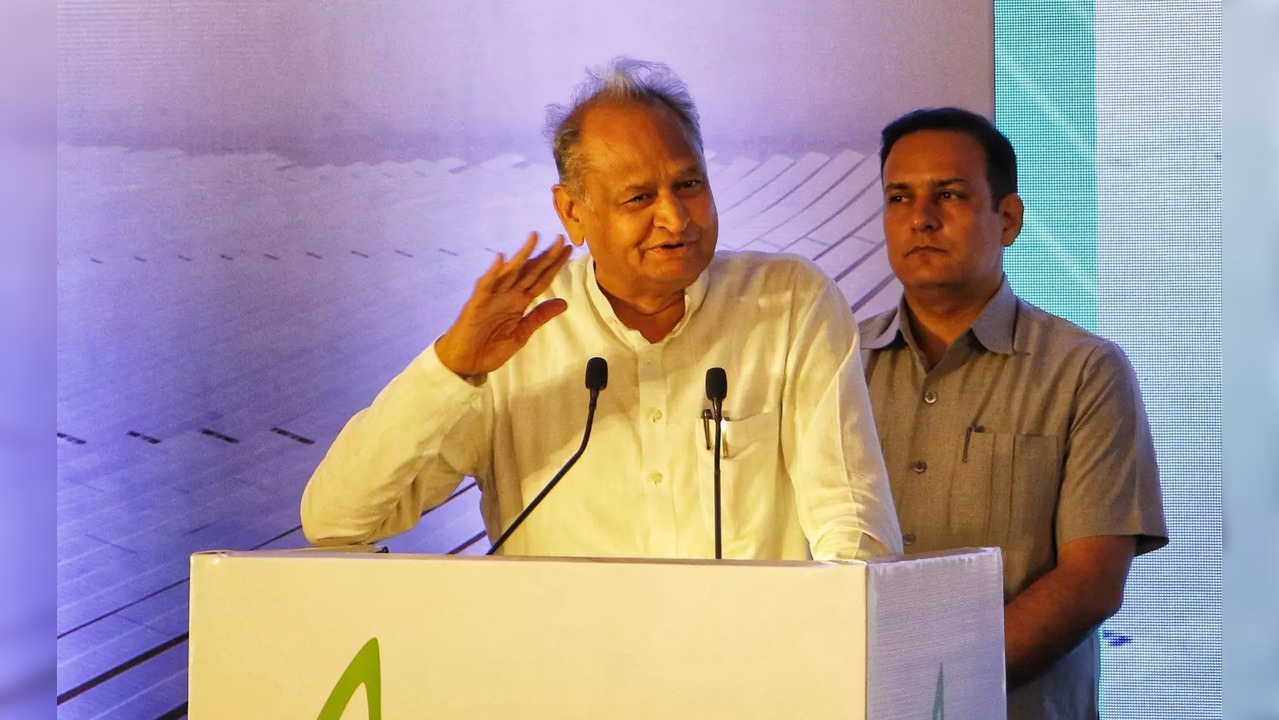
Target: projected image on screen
x,y
1116,113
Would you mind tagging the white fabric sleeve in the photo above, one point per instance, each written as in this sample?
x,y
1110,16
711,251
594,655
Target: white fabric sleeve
x,y
830,446
405,453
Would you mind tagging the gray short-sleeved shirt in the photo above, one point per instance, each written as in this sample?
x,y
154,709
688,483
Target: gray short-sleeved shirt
x,y
1029,433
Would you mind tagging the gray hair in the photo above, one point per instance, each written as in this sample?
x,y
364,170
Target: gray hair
x,y
624,81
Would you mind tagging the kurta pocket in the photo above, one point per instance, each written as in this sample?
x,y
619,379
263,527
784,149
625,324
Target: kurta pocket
x,y
748,478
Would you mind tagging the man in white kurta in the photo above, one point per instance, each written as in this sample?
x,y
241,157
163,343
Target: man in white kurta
x,y
803,464
501,395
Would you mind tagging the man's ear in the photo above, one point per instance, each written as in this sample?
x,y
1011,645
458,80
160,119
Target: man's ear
x,y
1011,210
572,213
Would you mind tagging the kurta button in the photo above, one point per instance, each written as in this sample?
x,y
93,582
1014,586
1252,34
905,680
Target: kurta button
x,y
655,477
919,466
908,539
930,397
655,415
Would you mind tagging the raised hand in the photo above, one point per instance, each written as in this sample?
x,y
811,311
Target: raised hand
x,y
493,325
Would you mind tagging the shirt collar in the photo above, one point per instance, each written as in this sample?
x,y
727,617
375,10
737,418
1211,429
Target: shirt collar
x,y
890,331
694,296
993,327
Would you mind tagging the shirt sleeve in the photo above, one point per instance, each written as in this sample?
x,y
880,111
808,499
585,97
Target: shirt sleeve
x,y
1110,478
829,443
406,452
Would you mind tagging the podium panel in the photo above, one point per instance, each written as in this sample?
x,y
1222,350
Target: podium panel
x,y
330,635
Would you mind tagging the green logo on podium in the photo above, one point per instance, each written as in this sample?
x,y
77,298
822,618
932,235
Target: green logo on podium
x,y
939,698
365,669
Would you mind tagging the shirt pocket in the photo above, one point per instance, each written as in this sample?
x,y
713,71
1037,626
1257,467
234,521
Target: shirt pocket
x,y
1025,478
1005,486
1032,509
979,480
748,474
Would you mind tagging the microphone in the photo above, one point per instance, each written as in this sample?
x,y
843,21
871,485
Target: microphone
x,y
716,391
596,380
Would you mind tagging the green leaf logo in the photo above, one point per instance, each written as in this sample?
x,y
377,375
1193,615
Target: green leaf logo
x,y
365,669
939,698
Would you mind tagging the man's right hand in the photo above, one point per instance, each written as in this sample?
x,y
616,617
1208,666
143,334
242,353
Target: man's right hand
x,y
493,326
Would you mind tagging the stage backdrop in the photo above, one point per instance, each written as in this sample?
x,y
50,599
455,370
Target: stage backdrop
x,y
1115,109
267,209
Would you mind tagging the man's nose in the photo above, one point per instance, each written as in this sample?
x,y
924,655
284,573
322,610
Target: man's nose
x,y
670,213
927,216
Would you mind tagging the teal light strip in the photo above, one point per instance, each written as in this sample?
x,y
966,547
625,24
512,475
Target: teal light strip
x,y
1045,101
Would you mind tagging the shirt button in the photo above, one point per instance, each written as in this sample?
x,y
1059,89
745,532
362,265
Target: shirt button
x,y
655,477
908,539
655,415
930,397
919,466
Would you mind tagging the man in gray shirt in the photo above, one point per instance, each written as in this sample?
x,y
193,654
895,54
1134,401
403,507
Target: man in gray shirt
x,y
1001,424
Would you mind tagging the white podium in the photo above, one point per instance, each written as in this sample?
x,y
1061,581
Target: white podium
x,y
327,635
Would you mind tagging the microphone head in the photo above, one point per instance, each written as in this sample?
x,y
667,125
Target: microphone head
x,y
716,384
596,373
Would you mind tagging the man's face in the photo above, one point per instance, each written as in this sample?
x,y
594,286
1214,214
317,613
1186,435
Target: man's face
x,y
648,217
941,228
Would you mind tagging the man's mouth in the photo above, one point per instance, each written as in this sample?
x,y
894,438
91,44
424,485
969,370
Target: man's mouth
x,y
925,249
672,246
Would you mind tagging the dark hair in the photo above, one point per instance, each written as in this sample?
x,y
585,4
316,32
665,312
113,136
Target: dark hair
x,y
623,80
1001,159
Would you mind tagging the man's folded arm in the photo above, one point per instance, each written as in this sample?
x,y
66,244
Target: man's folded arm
x,y
403,454
1109,511
1054,614
829,443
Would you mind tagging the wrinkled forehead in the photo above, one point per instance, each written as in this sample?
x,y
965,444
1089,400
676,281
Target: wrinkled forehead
x,y
636,132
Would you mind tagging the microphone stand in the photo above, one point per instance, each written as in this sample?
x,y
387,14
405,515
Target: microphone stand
x,y
716,391
596,380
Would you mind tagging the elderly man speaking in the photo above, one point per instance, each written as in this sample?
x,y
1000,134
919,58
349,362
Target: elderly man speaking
x,y
500,395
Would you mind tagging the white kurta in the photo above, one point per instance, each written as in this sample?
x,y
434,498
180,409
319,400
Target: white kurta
x,y
803,472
